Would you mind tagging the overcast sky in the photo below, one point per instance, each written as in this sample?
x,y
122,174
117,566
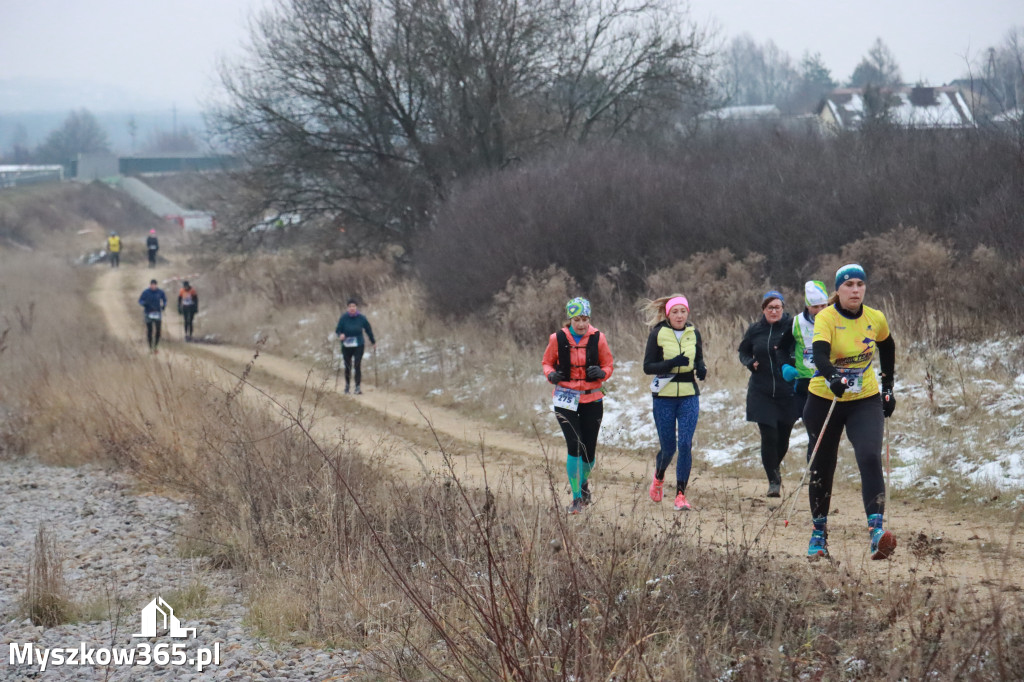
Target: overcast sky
x,y
166,50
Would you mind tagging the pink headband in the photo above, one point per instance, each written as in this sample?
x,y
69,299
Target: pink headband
x,y
678,300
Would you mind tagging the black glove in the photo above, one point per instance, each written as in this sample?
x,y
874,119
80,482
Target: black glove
x,y
555,377
888,401
594,373
179,309
702,372
680,361
837,384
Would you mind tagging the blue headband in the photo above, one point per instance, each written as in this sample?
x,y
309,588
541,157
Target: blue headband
x,y
851,271
769,296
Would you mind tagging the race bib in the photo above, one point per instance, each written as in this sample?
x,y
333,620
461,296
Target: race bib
x,y
854,379
153,315
809,358
186,300
661,381
350,341
566,398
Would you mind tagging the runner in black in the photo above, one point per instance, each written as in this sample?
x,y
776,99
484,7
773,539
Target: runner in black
x,y
153,301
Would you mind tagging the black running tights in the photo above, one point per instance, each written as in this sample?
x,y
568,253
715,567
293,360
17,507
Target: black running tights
x,y
353,355
153,333
580,429
774,446
863,422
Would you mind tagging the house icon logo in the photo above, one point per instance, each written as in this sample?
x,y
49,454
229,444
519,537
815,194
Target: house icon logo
x,y
158,614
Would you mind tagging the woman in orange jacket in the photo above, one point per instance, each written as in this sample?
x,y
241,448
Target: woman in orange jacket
x,y
577,361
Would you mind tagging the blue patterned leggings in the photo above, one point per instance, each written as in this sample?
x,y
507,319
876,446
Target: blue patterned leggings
x,y
676,418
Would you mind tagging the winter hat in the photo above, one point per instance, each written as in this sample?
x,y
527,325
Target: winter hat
x,y
185,284
770,296
152,231
850,271
677,300
815,293
576,307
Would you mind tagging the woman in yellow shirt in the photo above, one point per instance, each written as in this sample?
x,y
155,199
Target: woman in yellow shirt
x,y
848,336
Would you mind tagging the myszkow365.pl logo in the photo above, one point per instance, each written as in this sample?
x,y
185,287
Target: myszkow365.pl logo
x,y
156,617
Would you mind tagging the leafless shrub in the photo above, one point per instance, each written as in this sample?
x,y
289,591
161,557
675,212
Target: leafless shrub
x,y
532,303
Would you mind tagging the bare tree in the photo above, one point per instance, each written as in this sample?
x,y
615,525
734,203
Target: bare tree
x,y
877,68
366,111
81,133
750,73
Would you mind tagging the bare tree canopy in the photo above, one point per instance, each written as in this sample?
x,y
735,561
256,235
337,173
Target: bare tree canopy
x,y
877,68
81,133
367,110
751,73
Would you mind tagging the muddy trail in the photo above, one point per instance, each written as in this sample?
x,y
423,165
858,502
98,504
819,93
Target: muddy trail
x,y
968,552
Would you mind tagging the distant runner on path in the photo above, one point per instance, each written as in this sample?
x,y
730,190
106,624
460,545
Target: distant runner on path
x,y
577,361
152,246
675,356
188,306
802,330
350,330
114,249
153,301
764,350
847,337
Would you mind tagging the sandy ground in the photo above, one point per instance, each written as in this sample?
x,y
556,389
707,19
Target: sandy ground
x,y
969,552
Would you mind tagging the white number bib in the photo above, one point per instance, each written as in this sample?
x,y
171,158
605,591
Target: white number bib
x,y
153,316
350,341
566,398
661,381
854,379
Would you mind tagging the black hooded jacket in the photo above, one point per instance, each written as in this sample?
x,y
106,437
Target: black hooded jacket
x,y
769,396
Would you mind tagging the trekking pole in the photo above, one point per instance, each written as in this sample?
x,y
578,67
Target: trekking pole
x,y
375,366
337,367
810,462
887,469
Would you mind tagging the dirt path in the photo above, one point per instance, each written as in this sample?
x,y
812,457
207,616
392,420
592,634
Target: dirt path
x,y
965,552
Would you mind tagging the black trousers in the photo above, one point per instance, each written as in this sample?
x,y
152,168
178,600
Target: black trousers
x,y
580,428
864,424
115,259
188,312
774,446
353,355
152,257
153,332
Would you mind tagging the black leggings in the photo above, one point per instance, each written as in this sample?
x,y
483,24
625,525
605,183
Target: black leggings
x,y
863,421
153,332
115,259
580,428
188,312
353,355
774,446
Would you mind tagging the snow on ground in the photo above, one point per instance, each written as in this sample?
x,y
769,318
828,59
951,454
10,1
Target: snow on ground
x,y
988,417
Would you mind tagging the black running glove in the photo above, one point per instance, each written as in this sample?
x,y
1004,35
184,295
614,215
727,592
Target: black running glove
x,y
555,377
702,372
888,401
837,384
594,373
680,360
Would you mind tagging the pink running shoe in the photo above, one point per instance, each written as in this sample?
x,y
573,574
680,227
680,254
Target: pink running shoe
x,y
681,503
655,491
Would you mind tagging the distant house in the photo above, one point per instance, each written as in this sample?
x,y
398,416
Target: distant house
x,y
911,107
759,116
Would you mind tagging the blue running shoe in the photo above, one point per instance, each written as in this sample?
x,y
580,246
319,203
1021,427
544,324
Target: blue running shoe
x,y
818,546
883,543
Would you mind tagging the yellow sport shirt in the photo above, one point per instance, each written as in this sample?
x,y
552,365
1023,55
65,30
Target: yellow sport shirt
x,y
854,345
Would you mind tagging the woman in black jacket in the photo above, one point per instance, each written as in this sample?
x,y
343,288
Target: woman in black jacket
x,y
765,348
